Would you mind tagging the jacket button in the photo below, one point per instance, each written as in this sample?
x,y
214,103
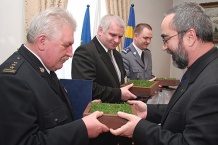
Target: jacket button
x,y
56,120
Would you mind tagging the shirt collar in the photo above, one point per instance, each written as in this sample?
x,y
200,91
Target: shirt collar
x,y
38,59
137,49
102,45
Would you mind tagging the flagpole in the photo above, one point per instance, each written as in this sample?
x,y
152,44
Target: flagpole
x,y
86,33
130,27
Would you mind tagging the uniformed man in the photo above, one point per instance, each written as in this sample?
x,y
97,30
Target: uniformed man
x,y
34,107
137,57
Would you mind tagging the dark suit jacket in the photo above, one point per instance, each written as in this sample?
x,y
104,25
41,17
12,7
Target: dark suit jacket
x,y
33,110
91,62
134,67
191,117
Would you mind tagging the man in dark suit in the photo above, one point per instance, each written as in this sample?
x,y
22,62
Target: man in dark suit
x,y
92,61
137,57
34,107
191,116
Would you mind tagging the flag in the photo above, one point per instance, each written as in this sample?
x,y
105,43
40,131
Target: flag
x,y
86,33
130,27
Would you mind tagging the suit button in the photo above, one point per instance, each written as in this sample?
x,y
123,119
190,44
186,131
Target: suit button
x,y
56,120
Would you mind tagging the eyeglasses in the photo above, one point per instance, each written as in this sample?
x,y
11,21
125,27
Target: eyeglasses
x,y
167,39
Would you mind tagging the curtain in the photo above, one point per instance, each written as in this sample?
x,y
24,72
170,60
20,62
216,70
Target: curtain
x,y
97,17
120,8
33,7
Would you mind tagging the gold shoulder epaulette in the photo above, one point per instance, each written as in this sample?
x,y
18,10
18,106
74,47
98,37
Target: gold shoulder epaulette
x,y
13,66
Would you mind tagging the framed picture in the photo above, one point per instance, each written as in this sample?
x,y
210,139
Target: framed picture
x,y
212,10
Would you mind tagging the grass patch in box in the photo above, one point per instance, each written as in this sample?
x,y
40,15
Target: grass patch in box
x,y
143,87
110,117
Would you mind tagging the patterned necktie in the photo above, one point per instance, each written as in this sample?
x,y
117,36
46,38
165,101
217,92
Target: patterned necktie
x,y
142,56
115,65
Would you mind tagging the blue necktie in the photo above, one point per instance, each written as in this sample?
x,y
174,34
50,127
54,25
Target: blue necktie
x,y
183,79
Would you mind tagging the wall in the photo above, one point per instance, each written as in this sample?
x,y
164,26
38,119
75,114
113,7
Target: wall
x,y
12,27
175,2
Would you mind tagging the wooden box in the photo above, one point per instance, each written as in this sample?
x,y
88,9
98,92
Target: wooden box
x,y
143,90
168,81
110,120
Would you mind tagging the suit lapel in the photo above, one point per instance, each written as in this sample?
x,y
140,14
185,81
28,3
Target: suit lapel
x,y
59,89
106,59
191,75
178,93
137,57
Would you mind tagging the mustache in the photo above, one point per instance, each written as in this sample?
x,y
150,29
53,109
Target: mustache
x,y
65,58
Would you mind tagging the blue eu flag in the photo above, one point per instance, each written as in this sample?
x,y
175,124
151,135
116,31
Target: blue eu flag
x,y
130,27
86,34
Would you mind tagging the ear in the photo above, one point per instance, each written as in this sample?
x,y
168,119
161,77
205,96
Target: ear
x,y
41,42
100,31
191,37
135,35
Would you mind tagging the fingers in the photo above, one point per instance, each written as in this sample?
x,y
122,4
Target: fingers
x,y
134,96
124,115
97,101
133,102
116,132
104,128
97,114
153,79
130,85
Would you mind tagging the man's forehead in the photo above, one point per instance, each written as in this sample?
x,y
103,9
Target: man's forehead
x,y
165,26
167,20
117,31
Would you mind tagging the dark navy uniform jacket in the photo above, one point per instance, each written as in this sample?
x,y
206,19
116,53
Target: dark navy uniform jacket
x,y
33,110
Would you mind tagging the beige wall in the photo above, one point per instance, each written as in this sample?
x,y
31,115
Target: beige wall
x,y
175,2
11,27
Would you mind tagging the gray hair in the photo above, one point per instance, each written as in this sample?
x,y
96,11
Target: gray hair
x,y
107,19
49,22
191,15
